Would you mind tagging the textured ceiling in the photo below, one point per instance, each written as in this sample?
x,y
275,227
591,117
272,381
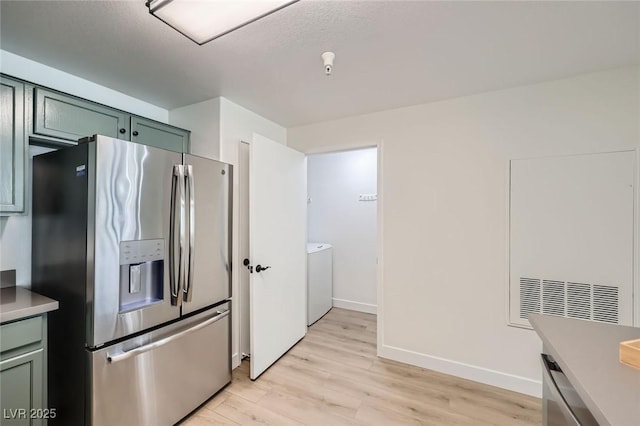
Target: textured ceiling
x,y
388,53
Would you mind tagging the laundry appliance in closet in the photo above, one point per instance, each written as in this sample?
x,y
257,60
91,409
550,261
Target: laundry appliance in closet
x,y
319,280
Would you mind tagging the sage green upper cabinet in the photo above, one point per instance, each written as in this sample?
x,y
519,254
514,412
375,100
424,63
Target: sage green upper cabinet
x,y
65,117
153,133
70,118
13,146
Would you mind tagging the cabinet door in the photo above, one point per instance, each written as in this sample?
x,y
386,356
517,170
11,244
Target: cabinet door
x,y
66,117
13,146
22,389
160,135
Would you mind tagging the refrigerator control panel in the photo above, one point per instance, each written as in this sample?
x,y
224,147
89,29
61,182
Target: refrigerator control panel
x,y
141,251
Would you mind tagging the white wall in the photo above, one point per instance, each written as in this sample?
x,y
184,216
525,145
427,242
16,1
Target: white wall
x,y
445,194
15,231
239,124
203,119
44,75
335,181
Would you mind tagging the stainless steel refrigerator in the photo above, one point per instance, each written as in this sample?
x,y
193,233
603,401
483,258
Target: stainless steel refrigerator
x,y
134,242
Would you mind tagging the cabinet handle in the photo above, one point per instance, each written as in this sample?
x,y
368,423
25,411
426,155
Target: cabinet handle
x,y
123,131
135,133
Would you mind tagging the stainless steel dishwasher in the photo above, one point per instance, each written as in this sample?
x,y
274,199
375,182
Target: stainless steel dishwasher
x,y
561,404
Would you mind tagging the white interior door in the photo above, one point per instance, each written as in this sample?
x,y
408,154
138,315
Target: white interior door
x,y
278,237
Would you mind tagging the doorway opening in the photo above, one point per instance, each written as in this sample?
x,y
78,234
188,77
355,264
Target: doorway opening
x,y
342,191
341,210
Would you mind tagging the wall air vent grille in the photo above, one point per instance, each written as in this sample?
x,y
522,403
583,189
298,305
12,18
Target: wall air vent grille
x,y
579,301
569,299
529,297
553,294
605,303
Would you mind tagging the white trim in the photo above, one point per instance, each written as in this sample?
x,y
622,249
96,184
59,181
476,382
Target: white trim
x,y
507,244
466,371
524,325
344,147
235,361
380,247
573,154
636,243
241,278
355,306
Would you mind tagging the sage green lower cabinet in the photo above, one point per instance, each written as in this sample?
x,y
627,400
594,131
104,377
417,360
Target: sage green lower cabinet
x,y
13,146
22,373
70,118
160,135
22,387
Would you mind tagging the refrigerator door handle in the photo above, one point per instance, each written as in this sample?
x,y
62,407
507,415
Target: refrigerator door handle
x,y
188,288
183,225
122,355
172,233
176,272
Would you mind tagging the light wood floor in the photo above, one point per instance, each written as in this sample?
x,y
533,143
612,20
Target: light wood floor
x,y
333,377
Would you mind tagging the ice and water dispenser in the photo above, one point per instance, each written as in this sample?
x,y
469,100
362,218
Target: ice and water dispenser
x,y
141,273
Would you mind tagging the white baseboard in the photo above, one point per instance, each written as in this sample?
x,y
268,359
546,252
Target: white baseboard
x,y
466,371
235,361
355,306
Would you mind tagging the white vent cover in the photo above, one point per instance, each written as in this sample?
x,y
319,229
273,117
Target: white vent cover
x,y
530,297
570,300
571,229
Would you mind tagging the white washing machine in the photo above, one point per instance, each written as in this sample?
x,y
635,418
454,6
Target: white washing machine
x,y
319,280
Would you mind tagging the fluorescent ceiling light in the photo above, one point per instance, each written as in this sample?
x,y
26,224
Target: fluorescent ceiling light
x,y
205,20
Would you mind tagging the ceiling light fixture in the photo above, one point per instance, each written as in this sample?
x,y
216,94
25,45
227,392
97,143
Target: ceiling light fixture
x,y
206,20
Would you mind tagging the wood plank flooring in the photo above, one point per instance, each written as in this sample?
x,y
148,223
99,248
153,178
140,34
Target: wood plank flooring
x,y
333,377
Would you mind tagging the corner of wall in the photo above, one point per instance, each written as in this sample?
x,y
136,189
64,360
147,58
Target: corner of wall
x,y
203,119
239,123
235,361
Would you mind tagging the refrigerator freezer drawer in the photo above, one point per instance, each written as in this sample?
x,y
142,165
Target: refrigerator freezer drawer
x,y
160,377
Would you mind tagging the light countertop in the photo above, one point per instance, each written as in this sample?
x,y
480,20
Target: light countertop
x,y
588,353
17,303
